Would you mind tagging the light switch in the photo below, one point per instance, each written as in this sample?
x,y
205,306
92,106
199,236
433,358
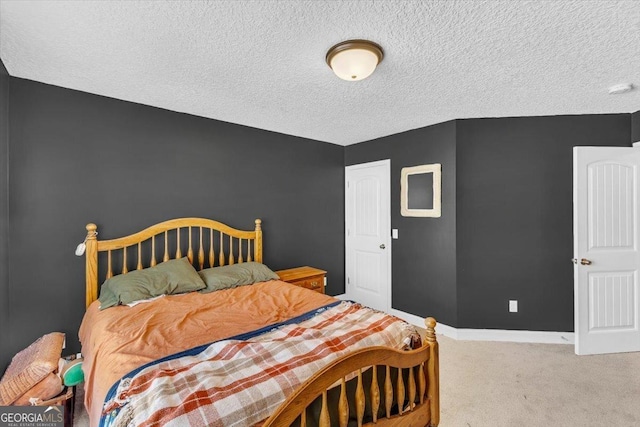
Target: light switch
x,y
394,233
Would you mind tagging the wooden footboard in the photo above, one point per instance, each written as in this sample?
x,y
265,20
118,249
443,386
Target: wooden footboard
x,y
417,395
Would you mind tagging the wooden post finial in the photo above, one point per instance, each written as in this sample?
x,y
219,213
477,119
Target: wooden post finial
x,y
430,322
91,264
433,369
91,230
257,251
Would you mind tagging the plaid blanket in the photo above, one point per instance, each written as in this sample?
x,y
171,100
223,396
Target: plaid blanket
x,y
239,383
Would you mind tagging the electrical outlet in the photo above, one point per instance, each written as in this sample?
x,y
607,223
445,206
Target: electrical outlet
x,y
394,233
513,306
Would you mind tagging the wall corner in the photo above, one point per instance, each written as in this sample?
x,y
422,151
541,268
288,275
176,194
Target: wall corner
x,y
635,127
4,216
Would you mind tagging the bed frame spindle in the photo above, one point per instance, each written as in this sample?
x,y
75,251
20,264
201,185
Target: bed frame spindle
x,y
400,392
388,392
212,255
343,405
375,394
201,252
221,250
153,251
109,268
139,266
359,399
325,421
412,389
125,270
190,250
231,259
178,250
422,385
240,260
165,258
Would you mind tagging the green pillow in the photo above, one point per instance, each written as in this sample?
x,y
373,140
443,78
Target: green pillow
x,y
231,276
171,277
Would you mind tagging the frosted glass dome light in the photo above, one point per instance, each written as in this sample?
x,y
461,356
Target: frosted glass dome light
x,y
354,60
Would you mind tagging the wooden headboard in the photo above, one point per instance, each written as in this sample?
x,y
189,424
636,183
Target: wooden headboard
x,y
165,237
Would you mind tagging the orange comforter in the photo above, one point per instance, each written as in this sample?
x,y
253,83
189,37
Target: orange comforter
x,y
120,339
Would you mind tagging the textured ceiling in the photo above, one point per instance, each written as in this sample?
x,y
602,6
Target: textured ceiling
x,y
261,63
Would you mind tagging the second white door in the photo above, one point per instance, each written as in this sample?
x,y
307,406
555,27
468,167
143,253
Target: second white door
x,y
368,245
606,249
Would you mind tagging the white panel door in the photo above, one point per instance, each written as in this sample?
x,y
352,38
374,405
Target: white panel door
x,y
368,221
606,197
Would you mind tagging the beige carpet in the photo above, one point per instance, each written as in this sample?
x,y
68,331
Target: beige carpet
x,y
513,384
495,384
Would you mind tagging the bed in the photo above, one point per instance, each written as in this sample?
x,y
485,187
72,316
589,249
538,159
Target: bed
x,y
365,373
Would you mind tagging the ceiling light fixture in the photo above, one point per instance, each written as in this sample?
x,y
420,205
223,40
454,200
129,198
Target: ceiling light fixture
x,y
354,60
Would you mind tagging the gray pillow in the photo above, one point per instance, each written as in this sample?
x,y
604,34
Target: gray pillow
x,y
231,276
171,277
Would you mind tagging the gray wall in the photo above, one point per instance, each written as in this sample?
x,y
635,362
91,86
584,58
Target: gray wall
x,y
4,212
424,256
506,226
79,158
635,127
515,224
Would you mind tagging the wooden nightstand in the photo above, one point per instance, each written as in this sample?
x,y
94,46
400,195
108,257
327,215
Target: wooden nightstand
x,y
307,277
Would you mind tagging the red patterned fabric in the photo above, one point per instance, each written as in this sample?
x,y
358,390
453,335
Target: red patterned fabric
x,y
239,383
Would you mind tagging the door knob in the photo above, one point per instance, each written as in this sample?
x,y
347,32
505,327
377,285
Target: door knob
x,y
583,261
382,246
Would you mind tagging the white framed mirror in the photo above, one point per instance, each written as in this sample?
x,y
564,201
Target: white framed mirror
x,y
421,191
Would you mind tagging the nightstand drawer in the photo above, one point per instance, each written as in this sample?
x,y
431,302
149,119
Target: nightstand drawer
x,y
306,277
313,283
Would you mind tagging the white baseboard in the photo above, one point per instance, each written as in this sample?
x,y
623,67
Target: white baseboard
x,y
540,337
